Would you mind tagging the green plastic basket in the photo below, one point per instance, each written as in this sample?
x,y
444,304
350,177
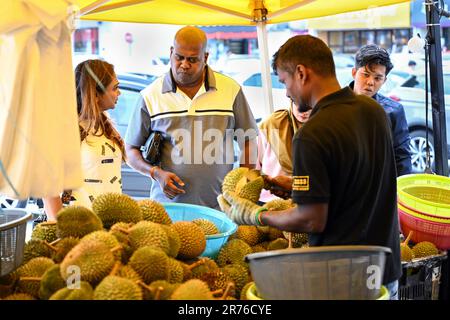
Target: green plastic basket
x,y
426,193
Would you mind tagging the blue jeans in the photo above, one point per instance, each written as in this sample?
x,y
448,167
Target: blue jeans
x,y
393,290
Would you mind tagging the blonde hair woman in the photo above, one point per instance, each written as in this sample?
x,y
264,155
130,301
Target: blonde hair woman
x,y
102,148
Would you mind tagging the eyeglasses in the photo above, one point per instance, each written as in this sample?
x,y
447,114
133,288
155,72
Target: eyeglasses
x,y
180,58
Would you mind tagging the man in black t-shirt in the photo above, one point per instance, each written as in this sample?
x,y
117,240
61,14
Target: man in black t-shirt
x,y
344,180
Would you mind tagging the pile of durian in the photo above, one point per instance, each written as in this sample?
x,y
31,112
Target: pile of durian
x,y
124,249
419,250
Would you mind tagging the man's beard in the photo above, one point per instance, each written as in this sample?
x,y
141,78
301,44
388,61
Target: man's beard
x,y
303,107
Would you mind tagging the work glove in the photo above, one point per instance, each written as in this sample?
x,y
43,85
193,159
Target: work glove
x,y
224,205
242,211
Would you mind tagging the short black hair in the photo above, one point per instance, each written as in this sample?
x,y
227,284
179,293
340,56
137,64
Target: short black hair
x,y
307,50
372,54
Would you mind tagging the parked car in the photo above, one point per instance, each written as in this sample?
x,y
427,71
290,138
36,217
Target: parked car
x,y
252,86
134,184
412,97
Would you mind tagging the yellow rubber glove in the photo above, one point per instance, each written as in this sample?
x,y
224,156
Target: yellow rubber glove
x,y
243,211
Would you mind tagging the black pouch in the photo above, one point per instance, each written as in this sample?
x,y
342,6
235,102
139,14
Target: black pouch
x,y
151,150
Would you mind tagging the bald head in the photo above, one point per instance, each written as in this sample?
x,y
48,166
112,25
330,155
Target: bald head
x,y
192,36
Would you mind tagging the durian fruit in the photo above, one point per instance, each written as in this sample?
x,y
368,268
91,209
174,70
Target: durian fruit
x,y
216,280
76,221
45,231
243,295
193,240
298,239
406,253
117,288
278,244
154,211
234,251
116,207
120,231
207,226
63,247
30,275
424,249
194,289
19,296
247,233
232,178
146,233
106,238
174,240
251,190
275,233
269,233
129,273
83,292
239,274
201,266
187,273
8,284
51,282
92,259
150,263
258,248
158,290
35,248
279,204
175,270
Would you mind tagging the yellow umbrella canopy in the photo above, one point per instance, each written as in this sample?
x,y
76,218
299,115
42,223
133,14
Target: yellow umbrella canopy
x,y
224,12
219,12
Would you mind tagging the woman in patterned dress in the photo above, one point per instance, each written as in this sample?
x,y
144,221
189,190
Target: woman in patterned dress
x,y
102,148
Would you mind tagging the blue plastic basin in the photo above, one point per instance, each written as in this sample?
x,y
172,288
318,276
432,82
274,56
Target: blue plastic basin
x,y
189,212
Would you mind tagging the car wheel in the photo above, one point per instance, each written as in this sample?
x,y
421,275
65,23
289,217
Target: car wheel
x,y
9,203
418,150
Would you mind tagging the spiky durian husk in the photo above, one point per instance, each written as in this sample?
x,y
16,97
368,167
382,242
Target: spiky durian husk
x,y
116,207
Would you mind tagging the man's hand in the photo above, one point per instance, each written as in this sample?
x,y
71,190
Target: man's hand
x,y
242,210
168,182
281,186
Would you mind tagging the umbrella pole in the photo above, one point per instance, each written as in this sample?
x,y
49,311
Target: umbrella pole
x,y
265,67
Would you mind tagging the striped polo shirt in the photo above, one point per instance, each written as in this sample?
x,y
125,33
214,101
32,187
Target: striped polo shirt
x,y
198,133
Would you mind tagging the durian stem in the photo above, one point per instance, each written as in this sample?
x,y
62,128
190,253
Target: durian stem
x,y
196,264
120,229
144,285
158,293
48,223
115,268
216,292
30,278
408,238
50,246
55,242
230,286
116,248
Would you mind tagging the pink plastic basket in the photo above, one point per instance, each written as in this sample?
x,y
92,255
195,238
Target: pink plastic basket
x,y
424,229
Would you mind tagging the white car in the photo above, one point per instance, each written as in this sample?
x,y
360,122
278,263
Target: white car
x,y
412,97
252,86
